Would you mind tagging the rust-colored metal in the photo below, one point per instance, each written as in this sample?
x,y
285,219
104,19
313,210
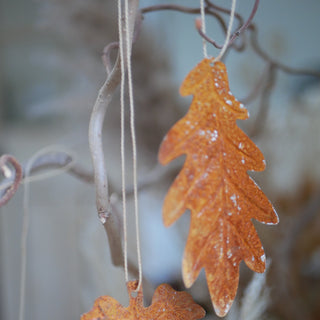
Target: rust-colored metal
x,y
215,186
166,304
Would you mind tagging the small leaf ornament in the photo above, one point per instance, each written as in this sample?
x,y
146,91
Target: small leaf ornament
x,y
166,304
215,186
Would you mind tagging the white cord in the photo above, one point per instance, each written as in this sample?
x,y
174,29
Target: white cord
x,y
203,28
134,143
122,147
24,238
26,218
226,43
126,43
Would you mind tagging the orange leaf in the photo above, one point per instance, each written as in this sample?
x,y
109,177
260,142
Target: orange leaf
x,y
166,304
215,186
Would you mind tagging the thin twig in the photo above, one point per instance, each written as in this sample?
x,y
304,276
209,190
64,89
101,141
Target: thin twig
x,y
236,34
65,161
287,69
244,25
183,9
225,10
248,22
152,177
265,102
212,7
198,25
10,190
59,160
255,91
172,7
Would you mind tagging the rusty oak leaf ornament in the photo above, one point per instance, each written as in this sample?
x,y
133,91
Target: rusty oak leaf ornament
x,y
166,304
215,186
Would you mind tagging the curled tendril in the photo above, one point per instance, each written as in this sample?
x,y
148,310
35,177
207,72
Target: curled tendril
x,y
9,192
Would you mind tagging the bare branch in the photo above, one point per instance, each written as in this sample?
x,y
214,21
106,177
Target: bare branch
x,y
248,22
198,25
287,69
265,102
59,160
105,211
185,10
64,161
50,160
255,91
152,177
243,26
235,34
172,7
225,10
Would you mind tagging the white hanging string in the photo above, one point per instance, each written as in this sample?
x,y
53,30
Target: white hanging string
x,y
226,43
203,28
133,140
126,43
24,237
26,214
122,146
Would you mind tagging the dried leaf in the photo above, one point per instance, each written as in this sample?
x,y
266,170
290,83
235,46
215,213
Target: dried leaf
x,y
215,186
166,304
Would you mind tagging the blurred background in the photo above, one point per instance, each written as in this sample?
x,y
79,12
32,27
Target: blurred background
x,y
50,73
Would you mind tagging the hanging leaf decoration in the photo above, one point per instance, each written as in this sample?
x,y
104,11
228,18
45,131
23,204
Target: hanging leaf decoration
x,y
215,186
166,304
